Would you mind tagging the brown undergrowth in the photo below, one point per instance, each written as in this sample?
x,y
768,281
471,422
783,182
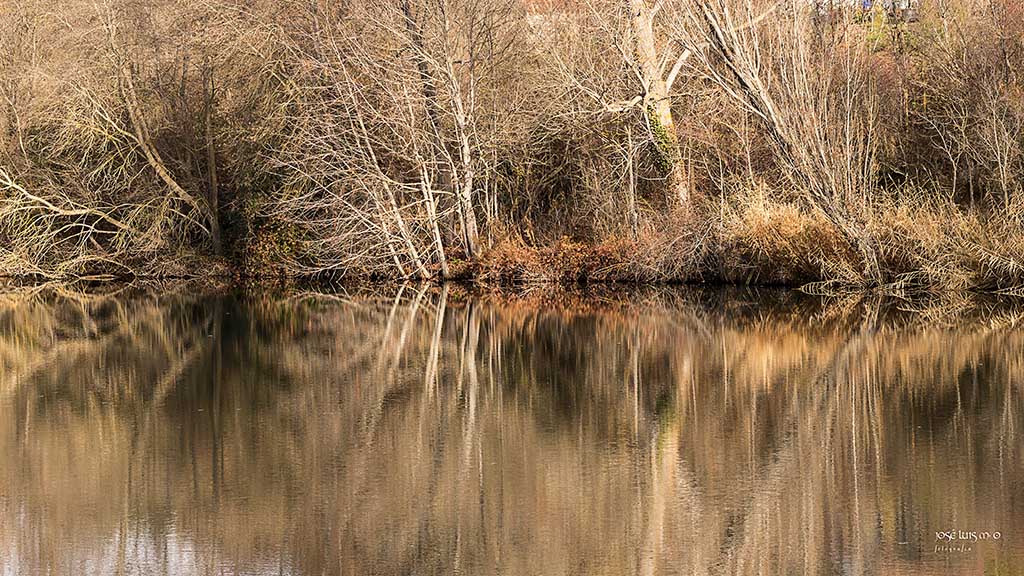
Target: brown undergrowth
x,y
925,246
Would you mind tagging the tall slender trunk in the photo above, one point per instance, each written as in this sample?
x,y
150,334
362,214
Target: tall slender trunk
x,y
471,235
403,230
463,189
429,200
211,159
393,208
428,89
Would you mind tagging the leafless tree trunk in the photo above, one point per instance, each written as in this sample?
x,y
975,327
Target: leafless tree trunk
x,y
210,96
434,223
464,189
656,99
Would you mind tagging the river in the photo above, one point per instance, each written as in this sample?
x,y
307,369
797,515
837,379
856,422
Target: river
x,y
415,430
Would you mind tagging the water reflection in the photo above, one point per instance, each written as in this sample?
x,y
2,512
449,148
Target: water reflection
x,y
424,432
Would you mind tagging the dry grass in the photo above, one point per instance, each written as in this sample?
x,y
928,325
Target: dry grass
x,y
512,262
766,241
925,246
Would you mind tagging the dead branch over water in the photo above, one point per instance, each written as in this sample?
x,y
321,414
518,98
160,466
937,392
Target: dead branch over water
x,y
517,141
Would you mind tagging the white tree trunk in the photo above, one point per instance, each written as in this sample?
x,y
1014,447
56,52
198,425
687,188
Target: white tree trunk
x,y
656,101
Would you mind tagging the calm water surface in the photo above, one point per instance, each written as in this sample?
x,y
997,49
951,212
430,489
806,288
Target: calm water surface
x,y
425,432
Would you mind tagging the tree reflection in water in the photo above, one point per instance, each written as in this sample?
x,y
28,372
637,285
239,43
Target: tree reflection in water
x,y
423,431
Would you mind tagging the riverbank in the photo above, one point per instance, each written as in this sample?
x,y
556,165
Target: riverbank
x,y
924,246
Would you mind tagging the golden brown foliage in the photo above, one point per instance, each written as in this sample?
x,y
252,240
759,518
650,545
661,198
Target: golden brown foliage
x,y
774,143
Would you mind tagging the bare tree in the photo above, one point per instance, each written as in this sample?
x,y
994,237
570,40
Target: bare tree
x,y
812,97
636,77
392,143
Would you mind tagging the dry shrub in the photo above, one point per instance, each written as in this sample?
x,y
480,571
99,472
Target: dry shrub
x,y
81,192
513,262
768,241
673,247
932,245
508,262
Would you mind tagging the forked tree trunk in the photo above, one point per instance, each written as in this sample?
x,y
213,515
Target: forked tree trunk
x,y
657,104
471,236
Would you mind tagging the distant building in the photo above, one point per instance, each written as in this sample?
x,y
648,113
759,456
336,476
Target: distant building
x,y
889,4
899,9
